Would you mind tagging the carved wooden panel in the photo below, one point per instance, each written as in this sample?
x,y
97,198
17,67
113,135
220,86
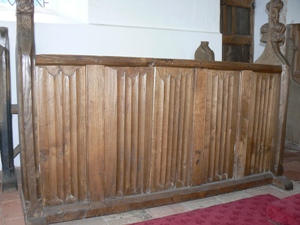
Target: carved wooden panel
x,y
60,100
120,111
214,124
262,110
108,132
172,131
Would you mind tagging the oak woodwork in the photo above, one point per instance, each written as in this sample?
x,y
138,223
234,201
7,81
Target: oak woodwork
x,y
273,36
103,135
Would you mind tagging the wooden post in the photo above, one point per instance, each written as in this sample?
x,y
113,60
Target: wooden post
x,y
25,53
273,36
9,179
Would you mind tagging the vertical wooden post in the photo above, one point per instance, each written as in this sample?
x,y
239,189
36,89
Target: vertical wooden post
x,y
25,58
273,35
6,144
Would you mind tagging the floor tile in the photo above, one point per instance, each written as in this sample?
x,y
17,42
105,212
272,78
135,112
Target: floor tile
x,y
233,196
202,203
135,213
10,196
295,158
268,190
161,211
293,175
292,166
12,209
16,221
89,221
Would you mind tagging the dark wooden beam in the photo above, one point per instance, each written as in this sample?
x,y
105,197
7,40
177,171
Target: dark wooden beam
x,y
9,179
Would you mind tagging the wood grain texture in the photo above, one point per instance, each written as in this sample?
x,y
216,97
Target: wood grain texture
x,y
109,132
220,124
150,62
61,119
25,61
172,128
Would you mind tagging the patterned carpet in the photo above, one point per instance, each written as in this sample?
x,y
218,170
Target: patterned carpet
x,y
247,211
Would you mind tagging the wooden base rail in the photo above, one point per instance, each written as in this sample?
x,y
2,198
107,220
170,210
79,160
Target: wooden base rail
x,y
101,135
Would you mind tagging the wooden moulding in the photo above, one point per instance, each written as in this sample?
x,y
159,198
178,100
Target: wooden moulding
x,y
9,179
141,62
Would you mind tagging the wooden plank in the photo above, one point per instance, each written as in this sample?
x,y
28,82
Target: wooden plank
x,y
149,62
65,101
199,127
134,115
188,121
58,123
73,135
110,135
238,3
206,151
177,84
242,123
95,132
213,125
42,122
81,135
232,123
220,112
249,167
269,126
237,39
265,123
254,160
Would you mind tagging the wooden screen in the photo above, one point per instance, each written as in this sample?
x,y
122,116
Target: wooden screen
x,y
108,132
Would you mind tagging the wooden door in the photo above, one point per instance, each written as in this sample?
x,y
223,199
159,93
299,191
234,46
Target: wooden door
x,y
237,22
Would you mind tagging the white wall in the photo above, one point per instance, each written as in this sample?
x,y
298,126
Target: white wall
x,y
139,28
293,9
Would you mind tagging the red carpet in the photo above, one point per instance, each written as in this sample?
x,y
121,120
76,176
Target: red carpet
x,y
247,211
285,211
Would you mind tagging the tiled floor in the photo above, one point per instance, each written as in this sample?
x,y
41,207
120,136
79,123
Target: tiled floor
x,y
11,211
